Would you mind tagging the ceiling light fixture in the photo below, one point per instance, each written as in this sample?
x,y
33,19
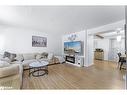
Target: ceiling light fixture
x,y
119,38
118,35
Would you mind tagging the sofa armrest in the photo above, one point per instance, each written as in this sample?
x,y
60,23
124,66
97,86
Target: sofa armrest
x,y
11,77
10,70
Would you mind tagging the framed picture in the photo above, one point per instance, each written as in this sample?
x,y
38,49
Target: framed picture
x,y
38,41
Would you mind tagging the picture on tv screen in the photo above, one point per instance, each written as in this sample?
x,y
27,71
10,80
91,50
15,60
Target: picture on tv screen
x,y
72,46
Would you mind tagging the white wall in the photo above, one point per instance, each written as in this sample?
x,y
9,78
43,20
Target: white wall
x,y
19,40
103,44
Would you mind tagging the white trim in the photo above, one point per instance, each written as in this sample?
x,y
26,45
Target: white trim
x,y
73,64
89,65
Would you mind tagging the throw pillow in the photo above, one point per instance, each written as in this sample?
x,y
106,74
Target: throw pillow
x,y
38,56
6,54
44,55
19,57
12,57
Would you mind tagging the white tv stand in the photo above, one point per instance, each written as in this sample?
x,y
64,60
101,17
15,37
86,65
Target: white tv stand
x,y
75,60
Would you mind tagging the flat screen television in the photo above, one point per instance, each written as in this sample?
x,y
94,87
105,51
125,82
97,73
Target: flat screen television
x,y
75,46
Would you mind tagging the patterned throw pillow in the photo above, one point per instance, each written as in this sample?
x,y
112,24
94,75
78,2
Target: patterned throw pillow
x,y
44,55
11,56
6,54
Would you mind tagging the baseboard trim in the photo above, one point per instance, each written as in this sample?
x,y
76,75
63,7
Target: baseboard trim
x,y
88,65
53,64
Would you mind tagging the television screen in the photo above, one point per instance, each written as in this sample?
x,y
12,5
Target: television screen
x,y
72,46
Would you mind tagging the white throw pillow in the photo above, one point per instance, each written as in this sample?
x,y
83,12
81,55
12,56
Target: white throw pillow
x,y
4,64
38,56
19,57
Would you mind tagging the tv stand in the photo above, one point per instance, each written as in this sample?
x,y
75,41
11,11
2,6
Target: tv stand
x,y
75,60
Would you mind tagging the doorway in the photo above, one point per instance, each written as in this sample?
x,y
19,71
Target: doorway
x,y
107,45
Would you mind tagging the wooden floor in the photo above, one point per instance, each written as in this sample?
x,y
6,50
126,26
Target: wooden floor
x,y
102,75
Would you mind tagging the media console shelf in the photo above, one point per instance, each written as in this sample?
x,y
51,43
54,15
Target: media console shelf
x,y
75,60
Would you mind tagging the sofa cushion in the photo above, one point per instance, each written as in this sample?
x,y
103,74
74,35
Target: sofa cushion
x,y
19,57
6,59
29,56
16,62
27,62
4,64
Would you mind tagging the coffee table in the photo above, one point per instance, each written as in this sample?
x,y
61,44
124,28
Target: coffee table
x,y
38,68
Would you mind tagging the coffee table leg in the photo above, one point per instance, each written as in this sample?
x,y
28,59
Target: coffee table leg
x,y
29,72
38,71
47,70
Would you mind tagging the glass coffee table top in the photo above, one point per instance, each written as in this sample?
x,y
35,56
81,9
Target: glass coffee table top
x,y
38,64
38,68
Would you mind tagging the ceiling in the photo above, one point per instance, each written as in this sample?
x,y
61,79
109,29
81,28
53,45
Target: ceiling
x,y
111,34
60,19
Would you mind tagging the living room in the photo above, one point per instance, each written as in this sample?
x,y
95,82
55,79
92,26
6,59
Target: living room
x,y
30,35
